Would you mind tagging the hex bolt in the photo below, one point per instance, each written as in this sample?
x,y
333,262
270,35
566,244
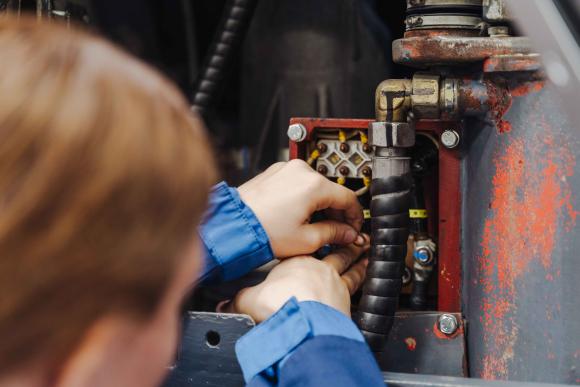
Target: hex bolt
x,y
367,148
322,169
322,147
344,148
450,139
447,324
297,132
367,171
344,170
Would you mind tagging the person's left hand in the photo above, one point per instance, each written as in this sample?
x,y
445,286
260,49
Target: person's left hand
x,y
330,281
285,197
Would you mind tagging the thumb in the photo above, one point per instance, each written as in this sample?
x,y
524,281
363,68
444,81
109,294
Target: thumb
x,y
316,235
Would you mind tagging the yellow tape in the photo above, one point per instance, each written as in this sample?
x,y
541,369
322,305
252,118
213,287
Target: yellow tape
x,y
367,214
341,180
418,213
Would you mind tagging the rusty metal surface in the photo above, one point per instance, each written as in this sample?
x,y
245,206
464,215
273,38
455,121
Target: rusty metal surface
x,y
512,63
436,49
520,240
411,380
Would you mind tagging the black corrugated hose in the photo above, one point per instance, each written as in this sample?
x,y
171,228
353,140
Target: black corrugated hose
x,y
389,234
235,17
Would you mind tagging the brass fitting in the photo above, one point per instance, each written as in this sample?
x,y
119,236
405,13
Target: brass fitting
x,y
393,100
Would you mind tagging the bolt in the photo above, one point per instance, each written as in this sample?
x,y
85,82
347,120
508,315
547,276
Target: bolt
x,y
322,169
366,171
344,147
344,170
450,139
297,132
447,324
367,148
322,147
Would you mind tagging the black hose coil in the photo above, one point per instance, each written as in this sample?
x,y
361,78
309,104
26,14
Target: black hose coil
x,y
391,198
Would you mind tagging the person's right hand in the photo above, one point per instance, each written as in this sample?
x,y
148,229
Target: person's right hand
x,y
285,197
330,281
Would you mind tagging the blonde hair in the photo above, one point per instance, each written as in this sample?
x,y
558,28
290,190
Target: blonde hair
x,y
104,174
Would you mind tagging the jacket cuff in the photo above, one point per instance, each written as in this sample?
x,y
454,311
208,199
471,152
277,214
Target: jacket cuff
x,y
272,342
234,239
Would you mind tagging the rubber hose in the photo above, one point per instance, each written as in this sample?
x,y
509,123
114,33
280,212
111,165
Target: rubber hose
x,y
235,15
390,200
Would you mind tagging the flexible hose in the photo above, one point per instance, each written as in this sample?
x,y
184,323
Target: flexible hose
x,y
212,74
389,234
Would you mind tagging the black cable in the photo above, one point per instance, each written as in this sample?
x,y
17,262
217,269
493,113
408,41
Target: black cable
x,y
235,17
389,234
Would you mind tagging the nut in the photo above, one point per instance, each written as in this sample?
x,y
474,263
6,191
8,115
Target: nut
x,y
450,139
322,147
367,148
366,171
423,256
322,169
391,134
297,132
447,324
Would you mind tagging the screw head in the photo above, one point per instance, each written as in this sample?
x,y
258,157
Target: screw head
x,y
344,170
366,171
322,147
450,139
297,132
447,324
322,169
367,148
344,147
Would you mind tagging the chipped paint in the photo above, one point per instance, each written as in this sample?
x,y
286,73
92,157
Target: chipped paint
x,y
411,343
530,193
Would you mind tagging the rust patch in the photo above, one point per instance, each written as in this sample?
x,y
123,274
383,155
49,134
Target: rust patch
x,y
411,343
527,88
500,101
527,202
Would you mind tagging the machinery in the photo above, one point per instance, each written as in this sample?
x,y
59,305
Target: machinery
x,y
465,165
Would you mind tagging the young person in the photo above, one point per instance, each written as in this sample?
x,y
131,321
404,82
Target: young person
x,y
104,178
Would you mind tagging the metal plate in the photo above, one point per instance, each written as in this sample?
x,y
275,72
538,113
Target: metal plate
x,y
415,346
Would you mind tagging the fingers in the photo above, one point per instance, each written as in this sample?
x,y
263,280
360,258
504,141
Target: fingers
x,y
316,235
355,276
338,197
342,258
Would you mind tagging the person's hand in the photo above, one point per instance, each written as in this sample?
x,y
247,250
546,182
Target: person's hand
x,y
284,198
330,281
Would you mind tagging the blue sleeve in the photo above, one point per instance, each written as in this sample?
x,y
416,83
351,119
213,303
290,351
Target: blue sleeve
x,y
234,240
307,344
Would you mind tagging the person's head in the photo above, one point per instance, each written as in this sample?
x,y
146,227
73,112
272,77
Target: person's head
x,y
104,175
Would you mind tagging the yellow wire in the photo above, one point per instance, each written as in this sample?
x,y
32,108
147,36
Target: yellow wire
x,y
341,180
341,135
363,137
367,181
313,156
